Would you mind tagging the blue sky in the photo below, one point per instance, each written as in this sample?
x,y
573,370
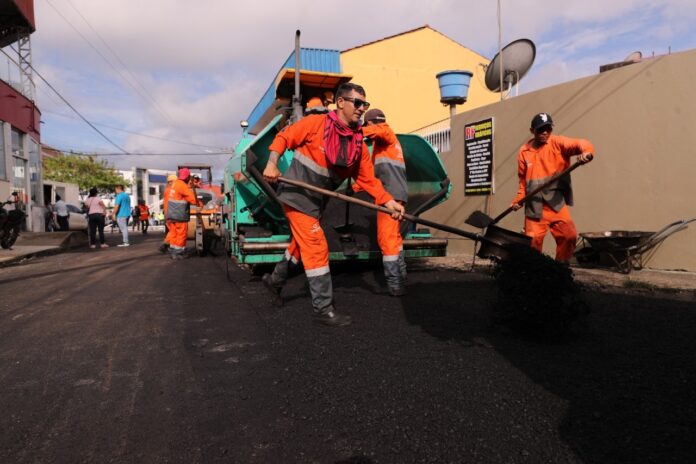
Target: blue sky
x,y
181,71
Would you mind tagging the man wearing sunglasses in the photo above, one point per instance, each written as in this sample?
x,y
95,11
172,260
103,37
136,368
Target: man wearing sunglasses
x,y
539,159
328,148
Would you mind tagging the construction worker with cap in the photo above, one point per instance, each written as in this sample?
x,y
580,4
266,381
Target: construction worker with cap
x,y
179,202
544,155
164,247
328,148
319,104
390,168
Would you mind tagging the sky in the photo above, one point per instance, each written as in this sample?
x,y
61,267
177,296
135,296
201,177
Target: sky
x,y
168,77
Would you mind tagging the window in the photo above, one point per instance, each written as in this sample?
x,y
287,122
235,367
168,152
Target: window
x,y
34,171
3,169
17,147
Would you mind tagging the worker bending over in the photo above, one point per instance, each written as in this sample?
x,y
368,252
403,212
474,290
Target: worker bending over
x,y
539,159
328,148
390,169
178,210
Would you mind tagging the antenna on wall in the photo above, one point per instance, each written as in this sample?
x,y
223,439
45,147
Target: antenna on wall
x,y
510,65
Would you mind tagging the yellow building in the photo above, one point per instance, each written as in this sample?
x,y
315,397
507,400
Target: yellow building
x,y
398,73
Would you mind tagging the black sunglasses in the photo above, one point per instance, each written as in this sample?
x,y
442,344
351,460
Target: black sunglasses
x,y
358,102
543,129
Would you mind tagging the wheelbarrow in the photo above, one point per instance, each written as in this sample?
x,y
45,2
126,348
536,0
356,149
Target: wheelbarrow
x,y
628,250
496,243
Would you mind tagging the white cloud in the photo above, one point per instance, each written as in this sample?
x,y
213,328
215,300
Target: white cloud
x,y
207,63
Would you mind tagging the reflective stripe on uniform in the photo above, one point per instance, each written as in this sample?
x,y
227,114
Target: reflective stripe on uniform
x,y
320,271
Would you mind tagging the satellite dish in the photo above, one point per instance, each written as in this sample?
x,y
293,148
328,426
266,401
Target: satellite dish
x,y
633,57
516,58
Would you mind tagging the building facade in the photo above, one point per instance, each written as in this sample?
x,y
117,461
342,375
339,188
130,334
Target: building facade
x,y
20,138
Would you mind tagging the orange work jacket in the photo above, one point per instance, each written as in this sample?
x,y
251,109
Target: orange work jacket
x,y
536,165
388,158
180,199
309,164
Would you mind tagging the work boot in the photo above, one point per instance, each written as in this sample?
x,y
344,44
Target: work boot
x,y
273,289
332,318
163,248
397,291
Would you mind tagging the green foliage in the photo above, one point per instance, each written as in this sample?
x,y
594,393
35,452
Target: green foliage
x,y
84,171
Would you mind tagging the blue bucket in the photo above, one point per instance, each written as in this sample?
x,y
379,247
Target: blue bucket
x,y
454,86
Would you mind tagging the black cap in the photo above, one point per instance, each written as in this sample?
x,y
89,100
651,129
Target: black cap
x,y
375,115
541,120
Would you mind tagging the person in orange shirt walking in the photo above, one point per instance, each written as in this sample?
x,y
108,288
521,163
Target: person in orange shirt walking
x,y
539,159
390,168
179,201
328,148
144,216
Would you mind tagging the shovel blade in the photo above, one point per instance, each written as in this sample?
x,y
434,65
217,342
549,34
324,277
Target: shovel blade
x,y
479,219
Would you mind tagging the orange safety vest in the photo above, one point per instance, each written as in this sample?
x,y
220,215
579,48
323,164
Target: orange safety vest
x,y
536,165
309,164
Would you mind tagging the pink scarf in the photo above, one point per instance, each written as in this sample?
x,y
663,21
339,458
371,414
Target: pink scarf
x,y
342,143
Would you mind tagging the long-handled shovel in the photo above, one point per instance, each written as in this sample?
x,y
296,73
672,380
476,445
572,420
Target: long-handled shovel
x,y
498,246
482,220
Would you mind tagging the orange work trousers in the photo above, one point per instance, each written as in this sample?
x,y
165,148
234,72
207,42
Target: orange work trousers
x,y
308,242
176,237
389,235
562,228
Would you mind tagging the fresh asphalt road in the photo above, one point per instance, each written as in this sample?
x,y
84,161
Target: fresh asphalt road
x,y
122,355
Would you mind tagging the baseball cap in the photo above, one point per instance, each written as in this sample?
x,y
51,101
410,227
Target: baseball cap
x,y
375,115
171,177
184,173
541,120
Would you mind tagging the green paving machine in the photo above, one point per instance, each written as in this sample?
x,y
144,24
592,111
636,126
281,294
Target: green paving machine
x,y
256,231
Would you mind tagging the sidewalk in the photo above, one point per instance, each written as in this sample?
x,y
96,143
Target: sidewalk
x,y
31,244
645,278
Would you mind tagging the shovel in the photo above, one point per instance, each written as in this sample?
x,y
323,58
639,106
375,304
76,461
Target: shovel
x,y
482,220
497,247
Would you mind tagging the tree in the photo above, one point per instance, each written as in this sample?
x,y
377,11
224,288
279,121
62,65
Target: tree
x,y
84,171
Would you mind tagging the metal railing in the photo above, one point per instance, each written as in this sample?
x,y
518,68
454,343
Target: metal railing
x,y
437,134
11,72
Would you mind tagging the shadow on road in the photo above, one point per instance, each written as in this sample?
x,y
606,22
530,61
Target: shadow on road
x,y
629,382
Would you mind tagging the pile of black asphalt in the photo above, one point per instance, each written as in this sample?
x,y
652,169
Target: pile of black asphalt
x,y
126,356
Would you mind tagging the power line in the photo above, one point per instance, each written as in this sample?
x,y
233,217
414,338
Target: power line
x,y
66,102
80,153
127,81
137,133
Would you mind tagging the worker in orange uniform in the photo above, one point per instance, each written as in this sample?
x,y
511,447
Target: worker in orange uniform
x,y
390,168
179,202
164,247
144,215
539,159
328,148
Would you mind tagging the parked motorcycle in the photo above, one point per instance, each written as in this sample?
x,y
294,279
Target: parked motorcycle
x,y
10,223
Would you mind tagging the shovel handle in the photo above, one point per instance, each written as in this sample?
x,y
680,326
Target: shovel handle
x,y
382,209
541,187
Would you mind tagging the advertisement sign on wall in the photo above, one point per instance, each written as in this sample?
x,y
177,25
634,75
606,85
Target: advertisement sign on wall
x,y
478,158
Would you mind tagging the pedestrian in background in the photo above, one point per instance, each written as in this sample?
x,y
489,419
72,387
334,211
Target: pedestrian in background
x,y
135,215
144,216
122,209
62,215
96,215
390,169
541,157
179,202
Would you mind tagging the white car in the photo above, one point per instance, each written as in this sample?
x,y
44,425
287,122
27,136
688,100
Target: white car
x,y
77,219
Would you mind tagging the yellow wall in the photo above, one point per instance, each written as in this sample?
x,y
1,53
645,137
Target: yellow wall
x,y
398,74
